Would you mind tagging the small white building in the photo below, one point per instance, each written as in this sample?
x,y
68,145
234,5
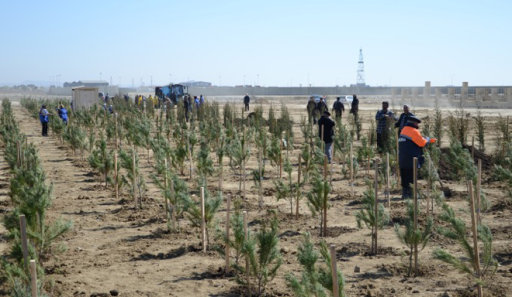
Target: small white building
x,y
84,97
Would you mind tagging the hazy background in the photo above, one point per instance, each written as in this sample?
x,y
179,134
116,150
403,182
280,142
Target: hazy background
x,y
269,43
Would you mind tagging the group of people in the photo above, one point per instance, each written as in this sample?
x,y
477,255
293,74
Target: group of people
x,y
44,117
190,104
410,140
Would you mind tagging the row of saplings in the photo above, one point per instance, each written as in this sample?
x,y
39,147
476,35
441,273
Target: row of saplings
x,y
30,234
174,141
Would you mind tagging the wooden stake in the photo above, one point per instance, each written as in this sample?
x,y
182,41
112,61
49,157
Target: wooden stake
x,y
173,215
24,245
387,182
134,173
415,197
473,147
351,170
397,164
247,269
228,210
166,183
475,236
203,223
116,175
243,160
334,271
298,187
33,277
280,158
115,120
376,206
478,189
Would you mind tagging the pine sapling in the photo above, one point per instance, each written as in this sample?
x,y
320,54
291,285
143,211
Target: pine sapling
x,y
316,279
414,237
369,218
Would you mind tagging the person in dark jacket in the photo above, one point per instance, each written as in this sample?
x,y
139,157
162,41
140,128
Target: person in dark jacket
x,y
382,117
247,100
311,110
410,145
326,124
43,117
400,124
338,108
354,107
187,105
63,114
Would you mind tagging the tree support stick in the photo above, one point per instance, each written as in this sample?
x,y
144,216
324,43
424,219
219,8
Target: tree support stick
x,y
24,245
387,182
475,236
298,188
228,209
334,272
478,189
247,268
134,173
415,197
351,169
203,223
166,183
376,207
116,175
33,277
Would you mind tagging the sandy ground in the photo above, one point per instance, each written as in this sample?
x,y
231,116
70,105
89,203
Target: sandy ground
x,y
114,247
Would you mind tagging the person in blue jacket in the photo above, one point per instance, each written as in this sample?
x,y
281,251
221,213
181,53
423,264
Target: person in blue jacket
x,y
43,117
63,114
410,145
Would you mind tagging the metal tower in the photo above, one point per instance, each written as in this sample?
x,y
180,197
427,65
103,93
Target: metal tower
x,y
360,69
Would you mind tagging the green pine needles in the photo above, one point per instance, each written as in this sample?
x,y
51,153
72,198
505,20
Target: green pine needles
x,y
316,278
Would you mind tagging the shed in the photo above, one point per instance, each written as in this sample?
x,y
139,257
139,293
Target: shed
x,y
84,97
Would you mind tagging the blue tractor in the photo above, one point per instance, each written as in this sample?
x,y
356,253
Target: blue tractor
x,y
175,92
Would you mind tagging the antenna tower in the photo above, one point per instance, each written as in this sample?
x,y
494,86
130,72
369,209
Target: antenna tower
x,y
360,69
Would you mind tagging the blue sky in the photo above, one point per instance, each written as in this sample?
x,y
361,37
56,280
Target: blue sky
x,y
271,43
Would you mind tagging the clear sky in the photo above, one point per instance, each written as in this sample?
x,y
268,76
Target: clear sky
x,y
270,43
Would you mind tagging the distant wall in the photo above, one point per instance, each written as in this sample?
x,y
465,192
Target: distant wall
x,y
450,96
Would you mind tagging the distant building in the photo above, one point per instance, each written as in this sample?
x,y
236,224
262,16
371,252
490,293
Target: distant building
x,y
194,83
87,83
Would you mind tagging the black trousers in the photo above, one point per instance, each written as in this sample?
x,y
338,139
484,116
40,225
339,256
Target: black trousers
x,y
407,177
45,129
380,142
246,106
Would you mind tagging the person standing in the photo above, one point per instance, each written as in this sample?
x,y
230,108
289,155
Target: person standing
x,y
400,124
322,106
354,107
247,100
410,145
187,106
43,117
311,106
63,114
327,124
382,117
338,108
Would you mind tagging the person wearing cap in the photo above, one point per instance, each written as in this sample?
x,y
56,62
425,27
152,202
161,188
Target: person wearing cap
x,y
326,124
338,108
410,145
382,117
43,118
400,124
247,100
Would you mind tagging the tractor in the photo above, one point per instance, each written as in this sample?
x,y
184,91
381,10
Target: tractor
x,y
175,92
